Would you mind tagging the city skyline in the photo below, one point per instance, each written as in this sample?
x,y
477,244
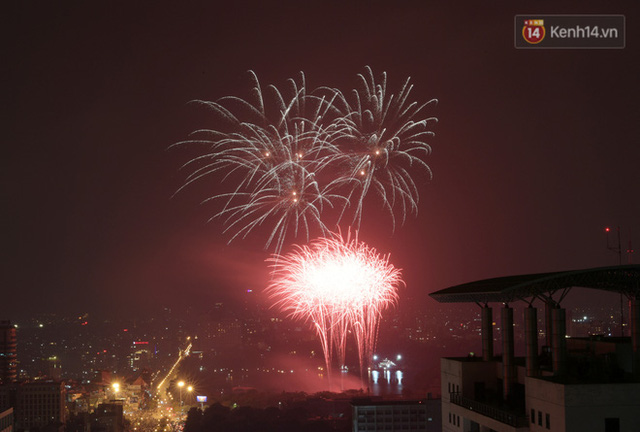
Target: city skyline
x,y
255,345
533,156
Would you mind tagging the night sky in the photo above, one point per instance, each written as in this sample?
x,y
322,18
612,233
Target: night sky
x,y
535,152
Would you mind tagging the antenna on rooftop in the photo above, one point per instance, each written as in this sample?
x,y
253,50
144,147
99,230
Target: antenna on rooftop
x,y
618,250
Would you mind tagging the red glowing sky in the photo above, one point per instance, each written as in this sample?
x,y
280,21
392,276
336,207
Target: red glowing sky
x,y
535,152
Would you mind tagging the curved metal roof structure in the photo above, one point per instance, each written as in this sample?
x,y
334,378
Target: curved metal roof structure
x,y
623,279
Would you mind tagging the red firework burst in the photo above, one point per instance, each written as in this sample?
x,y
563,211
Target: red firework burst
x,y
338,284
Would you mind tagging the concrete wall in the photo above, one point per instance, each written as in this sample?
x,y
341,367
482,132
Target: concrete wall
x,y
582,407
545,398
450,376
588,406
621,350
460,375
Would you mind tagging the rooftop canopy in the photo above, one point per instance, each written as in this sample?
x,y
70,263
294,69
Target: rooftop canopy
x,y
620,279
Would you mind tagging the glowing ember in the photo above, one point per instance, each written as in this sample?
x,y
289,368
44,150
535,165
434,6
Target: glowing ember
x,y
339,285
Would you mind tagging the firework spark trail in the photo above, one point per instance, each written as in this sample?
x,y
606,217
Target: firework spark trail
x,y
338,284
275,163
292,156
386,136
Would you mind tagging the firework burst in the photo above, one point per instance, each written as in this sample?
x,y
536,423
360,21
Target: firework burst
x,y
338,285
385,137
272,161
292,156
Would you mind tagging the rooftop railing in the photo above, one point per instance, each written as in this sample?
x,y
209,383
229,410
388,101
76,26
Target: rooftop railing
x,y
501,415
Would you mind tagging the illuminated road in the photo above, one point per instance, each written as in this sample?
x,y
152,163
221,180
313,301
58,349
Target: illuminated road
x,y
165,381
163,418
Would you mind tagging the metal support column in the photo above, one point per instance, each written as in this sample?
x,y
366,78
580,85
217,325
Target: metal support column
x,y
548,322
635,335
487,333
531,339
508,368
559,341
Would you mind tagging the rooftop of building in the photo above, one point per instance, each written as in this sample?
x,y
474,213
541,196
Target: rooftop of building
x,y
518,361
388,402
623,279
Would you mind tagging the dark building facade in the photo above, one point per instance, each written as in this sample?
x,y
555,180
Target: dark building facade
x,y
570,385
6,420
35,405
8,357
108,417
396,415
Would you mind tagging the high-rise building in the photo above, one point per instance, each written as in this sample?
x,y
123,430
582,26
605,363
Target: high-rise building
x,y
40,404
35,405
140,356
6,420
396,415
571,384
8,357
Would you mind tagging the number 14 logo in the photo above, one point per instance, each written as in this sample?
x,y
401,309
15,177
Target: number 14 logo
x,y
533,31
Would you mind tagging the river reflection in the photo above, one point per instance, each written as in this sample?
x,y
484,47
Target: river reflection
x,y
385,382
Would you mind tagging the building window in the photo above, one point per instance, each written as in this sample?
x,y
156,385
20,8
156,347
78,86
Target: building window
x,y
548,421
449,417
533,416
539,418
458,420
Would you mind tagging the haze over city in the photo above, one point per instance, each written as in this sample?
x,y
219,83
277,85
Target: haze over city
x,y
534,154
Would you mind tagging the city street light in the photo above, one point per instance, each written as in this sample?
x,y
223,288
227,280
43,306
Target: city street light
x,y
190,389
180,385
116,388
